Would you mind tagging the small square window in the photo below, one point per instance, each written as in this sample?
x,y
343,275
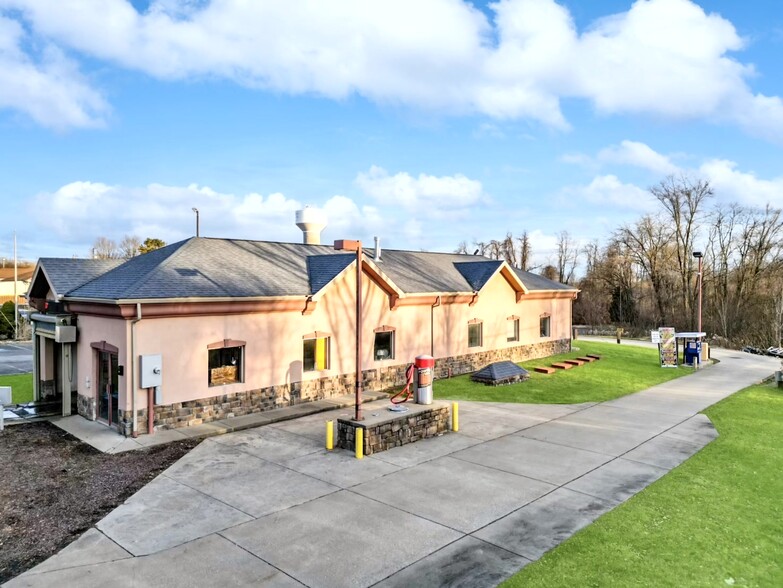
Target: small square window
x,y
315,354
225,365
512,329
545,326
475,335
384,346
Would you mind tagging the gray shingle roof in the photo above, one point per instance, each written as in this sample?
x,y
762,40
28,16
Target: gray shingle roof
x,y
212,268
321,269
66,274
535,282
477,273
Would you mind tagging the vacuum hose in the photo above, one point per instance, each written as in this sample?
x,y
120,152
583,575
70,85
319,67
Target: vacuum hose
x,y
405,392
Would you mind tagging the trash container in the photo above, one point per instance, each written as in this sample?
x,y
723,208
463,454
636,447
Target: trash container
x,y
692,352
425,368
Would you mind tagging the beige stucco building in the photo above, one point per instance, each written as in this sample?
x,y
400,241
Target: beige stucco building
x,y
243,326
9,286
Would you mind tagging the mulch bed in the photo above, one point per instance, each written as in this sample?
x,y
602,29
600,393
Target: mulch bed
x,y
53,488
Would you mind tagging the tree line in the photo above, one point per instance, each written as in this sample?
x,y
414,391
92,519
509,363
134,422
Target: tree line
x,y
130,246
645,275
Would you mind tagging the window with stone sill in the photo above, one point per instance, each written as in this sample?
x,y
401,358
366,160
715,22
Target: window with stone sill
x,y
545,324
512,329
475,333
315,352
226,362
383,347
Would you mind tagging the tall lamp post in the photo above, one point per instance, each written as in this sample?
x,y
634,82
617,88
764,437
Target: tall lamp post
x,y
194,209
698,255
347,245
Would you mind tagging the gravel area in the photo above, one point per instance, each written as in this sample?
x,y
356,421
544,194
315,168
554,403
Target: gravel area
x,y
53,487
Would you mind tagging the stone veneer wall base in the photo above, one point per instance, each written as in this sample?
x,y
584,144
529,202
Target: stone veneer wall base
x,y
204,410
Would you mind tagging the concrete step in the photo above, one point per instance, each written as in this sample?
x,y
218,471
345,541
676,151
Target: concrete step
x,y
562,365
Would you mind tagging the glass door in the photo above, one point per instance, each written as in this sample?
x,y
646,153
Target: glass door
x,y
108,388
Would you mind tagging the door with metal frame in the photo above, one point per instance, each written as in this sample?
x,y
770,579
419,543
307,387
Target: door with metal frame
x,y
108,387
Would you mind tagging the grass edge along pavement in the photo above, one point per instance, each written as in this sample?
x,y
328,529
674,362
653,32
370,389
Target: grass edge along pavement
x,y
622,370
21,387
715,520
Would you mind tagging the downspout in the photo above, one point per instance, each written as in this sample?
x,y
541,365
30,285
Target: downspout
x,y
135,427
432,325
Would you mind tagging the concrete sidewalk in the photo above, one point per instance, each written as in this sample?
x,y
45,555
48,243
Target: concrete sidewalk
x,y
270,507
108,440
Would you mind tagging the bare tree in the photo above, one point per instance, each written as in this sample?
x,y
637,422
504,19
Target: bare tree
x,y
104,248
721,253
567,257
525,251
549,272
482,248
682,198
495,249
129,246
592,253
509,250
648,244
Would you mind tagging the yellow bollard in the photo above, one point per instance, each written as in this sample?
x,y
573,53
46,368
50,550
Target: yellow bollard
x,y
359,443
455,416
330,435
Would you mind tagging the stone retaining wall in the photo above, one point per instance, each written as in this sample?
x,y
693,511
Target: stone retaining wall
x,y
204,410
465,364
85,406
401,430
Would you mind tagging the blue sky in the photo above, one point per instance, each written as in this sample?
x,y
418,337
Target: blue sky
x,y
423,123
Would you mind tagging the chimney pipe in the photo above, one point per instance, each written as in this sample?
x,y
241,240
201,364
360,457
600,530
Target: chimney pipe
x,y
377,249
312,221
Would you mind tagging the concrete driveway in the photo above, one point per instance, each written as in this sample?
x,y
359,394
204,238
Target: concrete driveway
x,y
270,507
16,357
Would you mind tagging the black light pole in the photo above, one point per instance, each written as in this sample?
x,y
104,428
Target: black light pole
x,y
196,211
698,255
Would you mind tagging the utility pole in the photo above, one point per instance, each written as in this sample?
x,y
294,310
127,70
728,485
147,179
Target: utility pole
x,y
16,298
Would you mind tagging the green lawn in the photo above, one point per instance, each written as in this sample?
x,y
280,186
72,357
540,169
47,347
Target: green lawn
x,y
22,387
622,369
716,520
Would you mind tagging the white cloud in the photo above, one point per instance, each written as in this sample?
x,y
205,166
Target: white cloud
x,y
425,193
49,89
349,220
664,58
731,184
79,212
609,194
639,155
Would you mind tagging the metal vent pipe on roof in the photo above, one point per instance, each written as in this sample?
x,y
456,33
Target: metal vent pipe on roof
x,y
377,249
311,221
